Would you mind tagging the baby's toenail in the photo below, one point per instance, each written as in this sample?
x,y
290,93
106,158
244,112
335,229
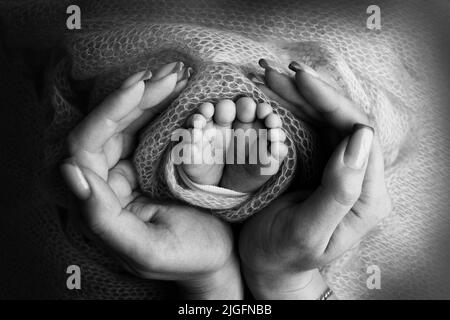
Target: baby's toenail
x,y
263,110
225,112
246,109
207,110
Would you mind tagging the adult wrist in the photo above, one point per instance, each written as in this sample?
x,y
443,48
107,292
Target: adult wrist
x,y
305,285
223,284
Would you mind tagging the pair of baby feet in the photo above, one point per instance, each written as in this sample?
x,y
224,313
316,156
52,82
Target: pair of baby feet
x,y
237,146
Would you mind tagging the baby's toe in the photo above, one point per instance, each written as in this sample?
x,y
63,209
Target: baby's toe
x,y
278,150
272,121
207,110
246,110
263,110
197,121
276,135
225,113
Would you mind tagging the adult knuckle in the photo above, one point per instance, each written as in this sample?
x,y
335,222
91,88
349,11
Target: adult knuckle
x,y
345,194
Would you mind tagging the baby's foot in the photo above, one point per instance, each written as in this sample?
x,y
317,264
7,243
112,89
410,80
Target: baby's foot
x,y
210,138
252,165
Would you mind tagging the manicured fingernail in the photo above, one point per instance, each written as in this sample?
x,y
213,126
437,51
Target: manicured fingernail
x,y
264,63
178,67
168,69
270,65
146,76
358,147
256,79
301,67
74,177
135,78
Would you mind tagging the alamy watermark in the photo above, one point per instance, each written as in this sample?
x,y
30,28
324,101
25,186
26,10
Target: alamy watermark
x,y
374,279
73,21
225,146
73,281
373,22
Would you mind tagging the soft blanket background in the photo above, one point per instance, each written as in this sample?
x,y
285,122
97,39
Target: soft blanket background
x,y
406,59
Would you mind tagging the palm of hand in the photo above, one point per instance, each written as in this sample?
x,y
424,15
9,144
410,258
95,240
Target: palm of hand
x,y
175,242
283,237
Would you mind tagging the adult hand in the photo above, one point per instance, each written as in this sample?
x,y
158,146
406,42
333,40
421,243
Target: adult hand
x,y
153,240
283,246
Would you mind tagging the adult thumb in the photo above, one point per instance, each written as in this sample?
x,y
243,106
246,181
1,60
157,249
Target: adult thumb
x,y
341,184
101,205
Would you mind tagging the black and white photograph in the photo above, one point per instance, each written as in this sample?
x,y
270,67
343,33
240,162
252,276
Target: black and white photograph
x,y
224,150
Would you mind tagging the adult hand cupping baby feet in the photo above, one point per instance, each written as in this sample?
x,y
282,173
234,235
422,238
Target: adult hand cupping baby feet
x,y
153,240
283,246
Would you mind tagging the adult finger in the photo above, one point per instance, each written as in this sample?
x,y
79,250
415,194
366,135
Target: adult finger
x,y
334,107
159,93
104,121
296,111
150,109
285,87
375,203
102,213
123,181
120,109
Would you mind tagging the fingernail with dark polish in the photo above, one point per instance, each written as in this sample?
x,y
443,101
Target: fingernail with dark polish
x,y
301,67
358,146
270,65
75,179
295,66
264,64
